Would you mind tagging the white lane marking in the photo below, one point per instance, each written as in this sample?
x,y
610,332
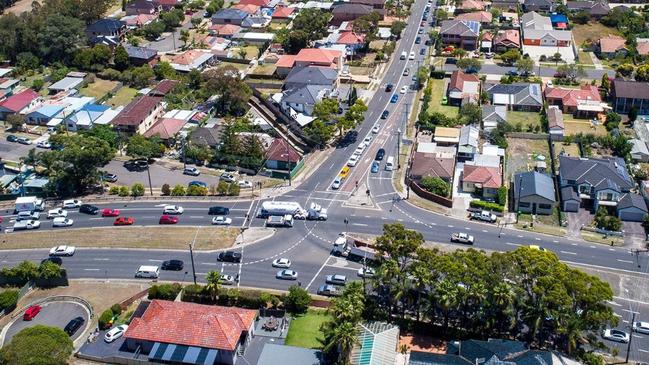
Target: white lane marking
x,y
573,244
520,236
100,259
614,303
196,216
645,351
536,238
568,252
154,260
484,231
359,224
555,241
512,244
318,273
95,219
637,336
91,269
625,261
591,246
209,263
450,226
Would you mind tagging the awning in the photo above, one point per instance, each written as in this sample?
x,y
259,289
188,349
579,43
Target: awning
x,y
182,354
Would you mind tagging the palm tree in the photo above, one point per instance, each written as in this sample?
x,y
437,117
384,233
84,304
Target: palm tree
x,y
184,36
342,338
447,295
213,284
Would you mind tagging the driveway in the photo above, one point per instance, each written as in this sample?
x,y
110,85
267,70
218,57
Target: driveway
x,y
461,200
634,234
576,220
55,314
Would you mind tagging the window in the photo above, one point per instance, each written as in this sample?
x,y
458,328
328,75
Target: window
x,y
584,189
524,205
545,206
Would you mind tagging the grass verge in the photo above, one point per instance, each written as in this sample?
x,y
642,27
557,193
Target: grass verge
x,y
98,89
435,104
305,330
600,238
208,238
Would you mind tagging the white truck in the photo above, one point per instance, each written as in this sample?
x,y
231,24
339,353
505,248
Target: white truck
x,y
316,212
462,238
280,221
28,224
350,251
484,216
29,204
269,208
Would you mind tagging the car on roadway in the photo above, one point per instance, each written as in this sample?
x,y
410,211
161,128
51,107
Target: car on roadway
x,y
12,138
282,262
411,56
28,224
380,154
220,220
73,326
360,149
197,183
172,265
328,290
394,98
88,209
376,128
616,335
109,212
337,182
191,171
62,222
227,177
462,237
172,209
336,279
404,89
512,73
136,165
217,210
72,204
418,40
286,274
54,259
24,140
124,221
62,250
385,114
32,312
27,215
389,87
641,327
168,219
367,140
538,248
366,272
55,213
44,144
229,256
422,51
245,184
115,333
226,279
406,72
353,160
375,167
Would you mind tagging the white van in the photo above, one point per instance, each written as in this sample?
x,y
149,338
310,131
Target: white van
x,y
404,54
389,164
412,56
148,272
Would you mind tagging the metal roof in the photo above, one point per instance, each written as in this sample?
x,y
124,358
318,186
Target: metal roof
x,y
533,183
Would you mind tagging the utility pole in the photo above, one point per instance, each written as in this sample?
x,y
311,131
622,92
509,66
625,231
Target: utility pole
x,y
191,255
148,173
184,156
628,347
398,148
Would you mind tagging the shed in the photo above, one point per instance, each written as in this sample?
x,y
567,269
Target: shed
x,y
66,84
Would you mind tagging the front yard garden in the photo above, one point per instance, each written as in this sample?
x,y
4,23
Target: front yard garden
x,y
305,329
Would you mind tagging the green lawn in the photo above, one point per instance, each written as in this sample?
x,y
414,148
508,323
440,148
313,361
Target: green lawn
x,y
305,330
98,89
585,58
524,118
436,100
123,96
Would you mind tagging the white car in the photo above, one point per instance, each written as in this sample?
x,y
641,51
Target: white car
x,y
286,275
115,333
404,89
367,140
44,144
62,250
227,177
336,279
283,263
641,327
221,221
352,161
376,129
245,184
55,213
62,222
191,171
72,203
366,272
616,335
226,279
172,209
411,56
336,184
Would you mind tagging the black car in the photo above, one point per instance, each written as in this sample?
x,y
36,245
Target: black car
x,y
512,73
173,265
88,209
380,154
136,165
389,87
74,325
422,51
218,211
12,138
385,114
229,256
53,259
417,40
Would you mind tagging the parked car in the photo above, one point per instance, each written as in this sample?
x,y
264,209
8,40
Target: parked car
x,y
216,210
484,216
282,262
404,89
375,167
226,279
328,290
641,327
616,335
32,312
197,183
353,160
88,209
245,184
168,219
124,221
376,128
337,182
73,326
115,333
44,144
192,171
221,221
27,215
336,279
172,265
12,138
62,250
229,256
58,212
418,40
366,272
108,177
62,222
53,259
108,212
385,114
71,204
389,87
227,177
286,275
380,154
24,140
172,209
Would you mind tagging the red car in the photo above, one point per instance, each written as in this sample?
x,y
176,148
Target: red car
x,y
107,212
167,219
124,221
31,312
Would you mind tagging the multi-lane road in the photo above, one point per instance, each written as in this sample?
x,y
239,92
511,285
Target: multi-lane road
x,y
308,244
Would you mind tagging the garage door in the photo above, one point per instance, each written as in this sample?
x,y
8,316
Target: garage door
x,y
631,216
570,206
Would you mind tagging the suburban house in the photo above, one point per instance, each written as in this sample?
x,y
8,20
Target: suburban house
x,y
547,38
229,16
260,3
138,21
505,5
192,331
224,30
142,7
283,14
596,9
534,20
505,40
19,103
468,145
282,156
545,6
630,94
446,136
483,17
460,33
163,87
463,88
433,160
166,129
468,6
612,46
90,115
206,136
352,41
247,8
303,99
167,5
594,182
639,150
311,75
518,96
492,115
256,21
642,46
139,115
309,57
66,84
533,193
481,180
192,59
582,102
556,126
42,114
102,28
345,12
141,55
559,21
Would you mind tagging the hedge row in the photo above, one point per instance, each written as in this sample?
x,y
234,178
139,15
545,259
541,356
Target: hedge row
x,y
487,205
25,271
165,291
8,299
106,318
230,297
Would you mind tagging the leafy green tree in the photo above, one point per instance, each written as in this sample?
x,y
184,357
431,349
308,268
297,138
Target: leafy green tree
x,y
295,40
511,56
633,114
15,121
642,72
214,6
121,58
572,72
313,22
137,189
165,189
397,27
625,69
502,195
178,190
606,85
353,116
141,147
341,339
435,185
525,65
234,92
60,37
153,30
195,78
124,191
49,270
469,65
38,345
319,132
297,300
613,120
222,188
195,190
141,76
104,133
470,113
163,70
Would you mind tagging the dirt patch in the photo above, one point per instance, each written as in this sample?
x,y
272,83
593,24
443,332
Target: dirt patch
x,y
20,7
522,154
207,238
585,126
423,343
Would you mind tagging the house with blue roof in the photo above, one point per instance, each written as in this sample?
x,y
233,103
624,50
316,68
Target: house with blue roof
x,y
90,115
559,21
43,114
533,193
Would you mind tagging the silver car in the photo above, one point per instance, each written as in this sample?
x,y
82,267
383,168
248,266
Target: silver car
x,y
336,279
286,275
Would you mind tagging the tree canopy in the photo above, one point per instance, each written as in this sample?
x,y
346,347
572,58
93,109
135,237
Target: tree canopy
x,y
38,345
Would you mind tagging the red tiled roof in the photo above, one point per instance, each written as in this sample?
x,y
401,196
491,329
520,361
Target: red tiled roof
x,y
17,102
488,177
225,29
282,12
487,36
572,97
472,5
350,38
611,43
137,110
191,324
286,60
164,87
278,152
509,36
247,8
317,55
260,3
165,128
458,78
476,16
187,58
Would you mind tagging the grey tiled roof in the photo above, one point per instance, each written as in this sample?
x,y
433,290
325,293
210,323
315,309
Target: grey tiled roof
x,y
629,200
312,75
464,28
568,193
533,183
526,94
596,172
304,95
496,113
140,52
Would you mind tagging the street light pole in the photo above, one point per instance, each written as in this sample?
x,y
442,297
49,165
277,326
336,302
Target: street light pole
x,y
191,255
628,348
148,173
398,148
